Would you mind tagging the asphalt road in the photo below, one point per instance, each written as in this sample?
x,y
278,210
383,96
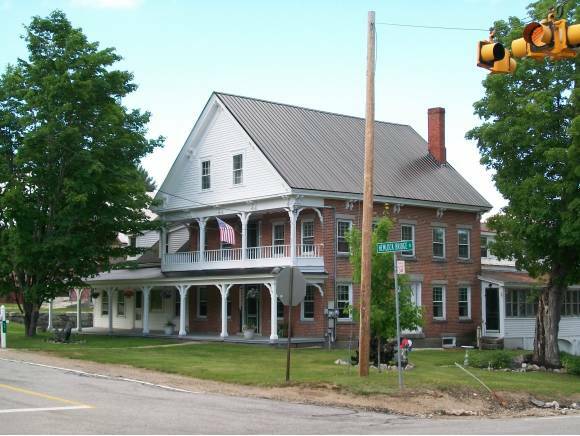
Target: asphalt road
x,y
40,400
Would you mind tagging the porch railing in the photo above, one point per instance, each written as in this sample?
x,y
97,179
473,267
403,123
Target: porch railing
x,y
268,251
309,250
225,254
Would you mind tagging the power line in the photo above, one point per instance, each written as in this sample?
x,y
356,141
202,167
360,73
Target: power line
x,y
434,27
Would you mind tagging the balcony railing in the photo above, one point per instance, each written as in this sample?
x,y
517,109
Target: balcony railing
x,y
269,255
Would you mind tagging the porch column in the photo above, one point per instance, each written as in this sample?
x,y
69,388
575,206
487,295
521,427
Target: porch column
x,y
293,218
202,221
49,327
182,307
110,306
273,311
79,293
224,289
146,292
244,216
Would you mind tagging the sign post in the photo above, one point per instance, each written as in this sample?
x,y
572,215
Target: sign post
x,y
398,268
3,327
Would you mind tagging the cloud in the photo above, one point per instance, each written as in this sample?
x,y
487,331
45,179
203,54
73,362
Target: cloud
x,y
107,4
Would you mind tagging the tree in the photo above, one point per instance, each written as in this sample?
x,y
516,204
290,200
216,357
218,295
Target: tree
x,y
530,138
383,313
69,164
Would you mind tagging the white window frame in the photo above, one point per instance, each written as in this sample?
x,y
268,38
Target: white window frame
x,y
105,303
302,317
459,244
338,221
311,246
571,307
121,295
240,170
406,253
444,302
433,242
468,317
278,251
208,175
483,246
342,318
198,302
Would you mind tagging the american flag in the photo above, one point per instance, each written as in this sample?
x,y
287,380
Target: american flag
x,y
227,234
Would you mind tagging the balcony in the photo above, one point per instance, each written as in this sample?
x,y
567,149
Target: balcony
x,y
307,257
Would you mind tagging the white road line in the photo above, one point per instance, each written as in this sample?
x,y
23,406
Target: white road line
x,y
44,409
91,374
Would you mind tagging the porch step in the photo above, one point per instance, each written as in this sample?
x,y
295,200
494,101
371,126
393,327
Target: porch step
x,y
491,343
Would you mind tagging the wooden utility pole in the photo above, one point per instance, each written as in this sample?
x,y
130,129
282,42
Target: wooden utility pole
x,y
366,249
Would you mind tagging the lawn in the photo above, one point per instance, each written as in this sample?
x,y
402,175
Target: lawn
x,y
265,366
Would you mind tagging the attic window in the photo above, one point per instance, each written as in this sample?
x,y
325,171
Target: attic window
x,y
238,169
205,175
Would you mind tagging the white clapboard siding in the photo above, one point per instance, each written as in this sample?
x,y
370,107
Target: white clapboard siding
x,y
177,238
147,239
218,141
526,327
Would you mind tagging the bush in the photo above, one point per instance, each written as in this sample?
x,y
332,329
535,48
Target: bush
x,y
496,359
571,363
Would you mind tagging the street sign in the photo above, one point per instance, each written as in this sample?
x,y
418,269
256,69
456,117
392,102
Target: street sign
x,y
392,247
2,327
400,267
298,286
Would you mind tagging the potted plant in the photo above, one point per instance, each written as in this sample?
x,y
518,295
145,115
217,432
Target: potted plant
x,y
249,330
169,327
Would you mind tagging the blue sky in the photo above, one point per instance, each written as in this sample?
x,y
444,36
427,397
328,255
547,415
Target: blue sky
x,y
308,53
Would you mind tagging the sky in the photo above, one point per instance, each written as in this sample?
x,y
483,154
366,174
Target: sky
x,y
306,53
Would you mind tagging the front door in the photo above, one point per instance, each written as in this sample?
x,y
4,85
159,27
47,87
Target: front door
x,y
492,309
252,307
138,309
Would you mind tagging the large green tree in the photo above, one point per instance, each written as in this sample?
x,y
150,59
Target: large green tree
x,y
530,138
69,164
382,313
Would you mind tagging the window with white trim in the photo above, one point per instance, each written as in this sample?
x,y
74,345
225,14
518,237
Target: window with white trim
x,y
238,169
463,242
439,242
307,235
104,303
342,228
278,239
464,302
120,304
307,307
439,302
229,305
520,303
408,234
484,246
571,303
279,309
344,300
206,174
202,302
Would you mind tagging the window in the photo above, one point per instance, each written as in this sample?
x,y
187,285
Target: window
x,y
308,304
307,236
202,303
344,300
571,303
166,233
177,303
156,301
278,239
439,242
464,302
439,302
229,305
463,241
133,241
408,234
342,228
238,169
104,303
520,303
205,175
279,309
138,306
120,303
484,249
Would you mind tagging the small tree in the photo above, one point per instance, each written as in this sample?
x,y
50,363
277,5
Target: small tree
x,y
383,311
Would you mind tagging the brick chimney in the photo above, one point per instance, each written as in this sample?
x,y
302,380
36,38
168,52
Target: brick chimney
x,y
436,133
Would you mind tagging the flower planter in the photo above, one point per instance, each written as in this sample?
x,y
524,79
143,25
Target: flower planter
x,y
249,334
169,329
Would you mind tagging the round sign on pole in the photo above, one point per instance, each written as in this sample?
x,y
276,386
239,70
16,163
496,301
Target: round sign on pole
x,y
298,286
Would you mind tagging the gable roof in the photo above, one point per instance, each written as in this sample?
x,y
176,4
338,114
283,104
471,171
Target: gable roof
x,y
324,151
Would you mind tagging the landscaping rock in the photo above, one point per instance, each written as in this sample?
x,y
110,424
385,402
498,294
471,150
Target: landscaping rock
x,y
518,361
537,403
341,362
534,367
460,412
575,406
552,404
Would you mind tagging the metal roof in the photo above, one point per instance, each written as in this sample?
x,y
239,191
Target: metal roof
x,y
323,151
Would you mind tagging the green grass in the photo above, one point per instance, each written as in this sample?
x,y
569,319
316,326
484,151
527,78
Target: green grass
x,y
10,307
265,366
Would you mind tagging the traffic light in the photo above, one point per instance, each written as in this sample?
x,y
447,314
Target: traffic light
x,y
494,57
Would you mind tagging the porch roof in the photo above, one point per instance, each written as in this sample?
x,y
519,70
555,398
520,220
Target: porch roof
x,y
512,279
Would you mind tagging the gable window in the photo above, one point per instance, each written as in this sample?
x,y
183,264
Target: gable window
x,y
120,303
463,241
571,303
238,169
519,303
104,303
307,237
307,312
342,228
278,239
408,234
439,302
439,242
344,300
202,303
464,302
206,174
483,245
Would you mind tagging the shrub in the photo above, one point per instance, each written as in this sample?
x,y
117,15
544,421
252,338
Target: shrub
x,y
496,359
571,363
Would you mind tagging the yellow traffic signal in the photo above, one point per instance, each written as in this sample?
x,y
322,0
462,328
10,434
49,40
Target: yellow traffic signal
x,y
494,57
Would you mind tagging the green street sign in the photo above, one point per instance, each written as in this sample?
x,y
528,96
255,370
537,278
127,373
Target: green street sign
x,y
3,326
391,247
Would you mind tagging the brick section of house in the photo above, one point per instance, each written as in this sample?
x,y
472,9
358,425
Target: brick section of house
x,y
436,133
